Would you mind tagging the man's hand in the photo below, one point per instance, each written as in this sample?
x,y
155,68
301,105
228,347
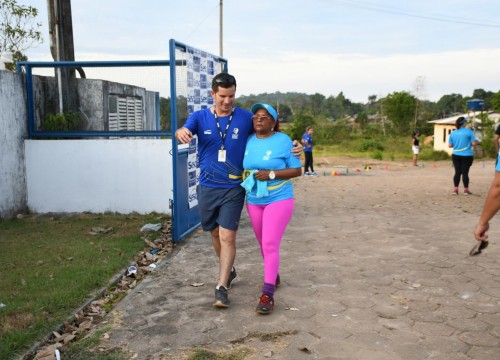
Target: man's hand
x,y
480,232
297,148
183,135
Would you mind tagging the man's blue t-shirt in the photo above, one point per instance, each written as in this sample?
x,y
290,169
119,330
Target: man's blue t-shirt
x,y
307,137
462,139
272,153
214,173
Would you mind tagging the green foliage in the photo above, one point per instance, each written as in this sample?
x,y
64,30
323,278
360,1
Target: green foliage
x,y
370,144
399,107
298,127
62,122
487,136
429,154
378,155
18,30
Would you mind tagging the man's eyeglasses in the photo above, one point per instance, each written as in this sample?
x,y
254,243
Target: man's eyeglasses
x,y
261,118
225,79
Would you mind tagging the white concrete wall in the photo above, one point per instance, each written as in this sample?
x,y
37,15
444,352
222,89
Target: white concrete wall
x,y
13,129
99,176
439,143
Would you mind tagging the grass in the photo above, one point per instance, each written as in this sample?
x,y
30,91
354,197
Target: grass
x,y
50,265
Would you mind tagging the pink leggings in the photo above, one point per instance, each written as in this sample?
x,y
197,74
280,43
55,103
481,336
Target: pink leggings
x,y
269,224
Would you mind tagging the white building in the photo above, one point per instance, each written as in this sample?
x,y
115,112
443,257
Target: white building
x,y
444,127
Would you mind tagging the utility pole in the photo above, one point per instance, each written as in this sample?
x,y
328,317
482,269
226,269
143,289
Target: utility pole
x,y
220,29
62,49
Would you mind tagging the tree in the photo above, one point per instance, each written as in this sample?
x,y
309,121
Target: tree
x,y
495,101
451,104
298,126
399,107
18,30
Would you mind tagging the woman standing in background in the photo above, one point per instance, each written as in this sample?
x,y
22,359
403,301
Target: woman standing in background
x,y
462,140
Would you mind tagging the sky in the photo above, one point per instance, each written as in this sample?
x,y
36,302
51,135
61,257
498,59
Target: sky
x,y
361,48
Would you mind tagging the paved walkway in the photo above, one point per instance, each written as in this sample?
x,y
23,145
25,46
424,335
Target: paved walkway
x,y
367,273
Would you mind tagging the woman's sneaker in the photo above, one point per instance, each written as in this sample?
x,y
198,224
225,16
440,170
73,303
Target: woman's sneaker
x,y
467,192
455,192
266,305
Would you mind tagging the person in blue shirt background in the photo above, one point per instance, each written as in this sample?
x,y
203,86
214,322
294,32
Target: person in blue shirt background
x,y
462,140
307,141
269,165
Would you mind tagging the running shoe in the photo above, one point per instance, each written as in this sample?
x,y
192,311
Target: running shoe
x,y
307,173
232,278
467,192
314,173
266,304
221,299
455,192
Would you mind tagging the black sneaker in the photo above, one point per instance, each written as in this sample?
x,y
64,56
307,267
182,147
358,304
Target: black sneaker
x,y
221,300
232,278
266,305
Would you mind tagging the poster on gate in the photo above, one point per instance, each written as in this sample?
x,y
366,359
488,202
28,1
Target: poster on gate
x,y
201,68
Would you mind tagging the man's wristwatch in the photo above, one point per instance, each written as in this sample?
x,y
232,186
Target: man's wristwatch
x,y
272,175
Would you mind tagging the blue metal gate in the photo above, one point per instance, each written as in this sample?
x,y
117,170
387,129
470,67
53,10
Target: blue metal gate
x,y
186,216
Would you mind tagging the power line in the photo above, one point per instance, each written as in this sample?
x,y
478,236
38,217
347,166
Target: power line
x,y
420,15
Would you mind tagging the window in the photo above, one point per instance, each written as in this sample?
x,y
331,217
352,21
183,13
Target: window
x,y
125,113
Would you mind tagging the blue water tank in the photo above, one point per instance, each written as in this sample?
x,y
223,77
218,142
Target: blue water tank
x,y
475,104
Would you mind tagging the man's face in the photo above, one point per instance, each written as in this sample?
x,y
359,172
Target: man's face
x,y
224,99
310,131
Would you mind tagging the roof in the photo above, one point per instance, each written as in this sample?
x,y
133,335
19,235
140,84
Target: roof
x,y
493,115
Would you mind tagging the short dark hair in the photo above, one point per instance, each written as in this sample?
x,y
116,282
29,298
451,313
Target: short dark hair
x,y
224,80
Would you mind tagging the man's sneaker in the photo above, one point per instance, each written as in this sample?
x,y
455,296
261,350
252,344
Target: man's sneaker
x,y
232,278
266,304
455,192
467,192
314,173
221,300
307,173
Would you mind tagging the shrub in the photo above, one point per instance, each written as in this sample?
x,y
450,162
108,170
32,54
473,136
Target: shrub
x,y
370,144
377,155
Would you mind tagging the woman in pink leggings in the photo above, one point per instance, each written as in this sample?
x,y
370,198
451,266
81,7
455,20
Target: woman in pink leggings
x,y
269,165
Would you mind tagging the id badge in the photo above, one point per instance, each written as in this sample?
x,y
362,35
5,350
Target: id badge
x,y
222,155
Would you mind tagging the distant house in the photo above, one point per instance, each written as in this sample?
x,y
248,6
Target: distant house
x,y
444,127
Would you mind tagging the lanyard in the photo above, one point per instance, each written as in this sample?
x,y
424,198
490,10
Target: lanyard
x,y
223,136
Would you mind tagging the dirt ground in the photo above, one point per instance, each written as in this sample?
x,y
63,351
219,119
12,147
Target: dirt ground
x,y
374,265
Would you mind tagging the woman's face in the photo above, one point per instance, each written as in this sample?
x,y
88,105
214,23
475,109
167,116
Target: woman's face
x,y
263,122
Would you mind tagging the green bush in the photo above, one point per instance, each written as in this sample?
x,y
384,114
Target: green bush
x,y
370,144
62,122
429,154
377,155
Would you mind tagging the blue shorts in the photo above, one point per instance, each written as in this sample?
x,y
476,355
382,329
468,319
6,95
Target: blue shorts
x,y
220,207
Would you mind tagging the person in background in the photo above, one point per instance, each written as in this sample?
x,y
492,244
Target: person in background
x,y
492,202
490,208
269,166
222,131
496,140
462,140
415,146
308,152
